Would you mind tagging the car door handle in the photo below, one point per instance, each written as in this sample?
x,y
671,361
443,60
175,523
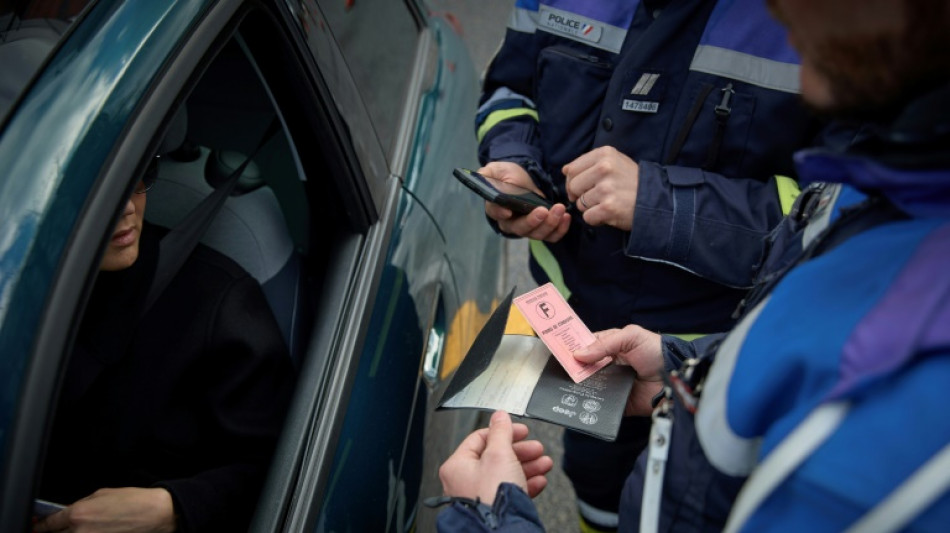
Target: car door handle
x,y
435,342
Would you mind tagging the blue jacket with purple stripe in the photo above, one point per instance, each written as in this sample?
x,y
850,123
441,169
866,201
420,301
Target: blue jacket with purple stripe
x,y
864,329
859,328
703,95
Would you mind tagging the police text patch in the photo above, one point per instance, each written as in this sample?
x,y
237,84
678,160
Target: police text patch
x,y
564,22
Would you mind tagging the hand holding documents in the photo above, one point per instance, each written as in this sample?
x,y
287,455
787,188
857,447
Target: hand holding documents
x,y
559,327
516,373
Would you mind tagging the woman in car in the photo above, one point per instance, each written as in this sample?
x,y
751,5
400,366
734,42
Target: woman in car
x,y
167,417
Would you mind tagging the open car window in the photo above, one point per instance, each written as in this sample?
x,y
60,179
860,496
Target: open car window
x,y
227,118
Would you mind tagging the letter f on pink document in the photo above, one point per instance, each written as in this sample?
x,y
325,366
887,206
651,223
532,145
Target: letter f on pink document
x,y
559,327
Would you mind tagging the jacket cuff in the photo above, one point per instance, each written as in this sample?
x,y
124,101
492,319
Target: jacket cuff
x,y
510,151
675,351
512,510
542,180
184,492
664,217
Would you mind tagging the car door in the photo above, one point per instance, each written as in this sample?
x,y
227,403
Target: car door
x,y
384,291
437,284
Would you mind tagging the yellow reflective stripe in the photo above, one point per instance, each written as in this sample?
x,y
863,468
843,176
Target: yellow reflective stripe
x,y
687,336
788,191
549,265
494,118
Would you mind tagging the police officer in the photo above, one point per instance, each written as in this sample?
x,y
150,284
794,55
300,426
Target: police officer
x,y
664,130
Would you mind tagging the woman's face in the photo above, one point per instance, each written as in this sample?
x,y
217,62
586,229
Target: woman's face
x,y
123,247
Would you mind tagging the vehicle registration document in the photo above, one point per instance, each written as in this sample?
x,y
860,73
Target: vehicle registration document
x,y
517,373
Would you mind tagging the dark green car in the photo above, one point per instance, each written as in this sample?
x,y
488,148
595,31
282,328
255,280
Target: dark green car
x,y
377,264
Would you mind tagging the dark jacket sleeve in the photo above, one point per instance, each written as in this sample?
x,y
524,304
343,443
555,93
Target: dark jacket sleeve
x,y
703,222
512,512
716,225
249,380
507,121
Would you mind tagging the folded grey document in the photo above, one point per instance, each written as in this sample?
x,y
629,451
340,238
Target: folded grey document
x,y
518,374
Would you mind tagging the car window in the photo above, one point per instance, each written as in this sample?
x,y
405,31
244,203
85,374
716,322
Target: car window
x,y
226,118
29,31
378,39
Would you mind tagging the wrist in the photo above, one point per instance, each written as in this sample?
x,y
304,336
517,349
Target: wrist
x,y
164,509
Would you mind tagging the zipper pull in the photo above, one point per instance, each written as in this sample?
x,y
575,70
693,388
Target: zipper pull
x,y
724,109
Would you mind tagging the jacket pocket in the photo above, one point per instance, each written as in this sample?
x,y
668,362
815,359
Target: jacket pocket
x,y
714,133
570,87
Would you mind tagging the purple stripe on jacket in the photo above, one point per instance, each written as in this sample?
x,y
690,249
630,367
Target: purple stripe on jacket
x,y
917,305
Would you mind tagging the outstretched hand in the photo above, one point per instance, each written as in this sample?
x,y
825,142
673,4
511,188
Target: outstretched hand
x,y
128,509
540,224
493,455
637,347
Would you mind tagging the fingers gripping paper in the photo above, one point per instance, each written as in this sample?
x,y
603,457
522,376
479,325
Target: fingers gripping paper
x,y
559,327
516,372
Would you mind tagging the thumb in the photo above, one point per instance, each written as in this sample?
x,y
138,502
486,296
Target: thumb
x,y
593,352
500,432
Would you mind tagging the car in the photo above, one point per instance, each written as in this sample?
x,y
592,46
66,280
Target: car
x,y
378,265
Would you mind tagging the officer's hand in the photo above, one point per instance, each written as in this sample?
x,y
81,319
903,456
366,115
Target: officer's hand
x,y
541,224
493,455
603,184
640,348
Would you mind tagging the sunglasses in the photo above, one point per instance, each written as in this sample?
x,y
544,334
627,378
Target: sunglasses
x,y
149,178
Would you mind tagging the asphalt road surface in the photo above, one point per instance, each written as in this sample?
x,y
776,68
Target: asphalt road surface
x,y
482,23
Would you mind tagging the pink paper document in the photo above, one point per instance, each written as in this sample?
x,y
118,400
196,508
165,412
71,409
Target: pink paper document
x,y
559,327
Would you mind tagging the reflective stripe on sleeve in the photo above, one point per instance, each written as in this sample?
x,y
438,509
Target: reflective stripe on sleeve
x,y
748,68
548,264
910,499
523,20
788,191
501,95
503,114
688,337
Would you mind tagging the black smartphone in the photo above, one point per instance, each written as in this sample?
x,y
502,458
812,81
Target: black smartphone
x,y
521,201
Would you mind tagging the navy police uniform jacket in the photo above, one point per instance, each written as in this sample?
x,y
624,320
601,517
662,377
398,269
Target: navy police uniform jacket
x,y
703,96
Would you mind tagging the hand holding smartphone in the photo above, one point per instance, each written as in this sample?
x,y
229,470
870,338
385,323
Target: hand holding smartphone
x,y
521,201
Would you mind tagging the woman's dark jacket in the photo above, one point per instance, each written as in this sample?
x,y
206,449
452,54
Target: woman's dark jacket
x,y
190,396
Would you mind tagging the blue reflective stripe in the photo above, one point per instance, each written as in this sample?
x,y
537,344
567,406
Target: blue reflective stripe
x,y
501,97
531,5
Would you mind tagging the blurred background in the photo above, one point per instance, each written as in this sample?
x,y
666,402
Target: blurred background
x,y
482,23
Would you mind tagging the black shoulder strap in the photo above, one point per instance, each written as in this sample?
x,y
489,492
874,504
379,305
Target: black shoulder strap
x,y
178,244
874,211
